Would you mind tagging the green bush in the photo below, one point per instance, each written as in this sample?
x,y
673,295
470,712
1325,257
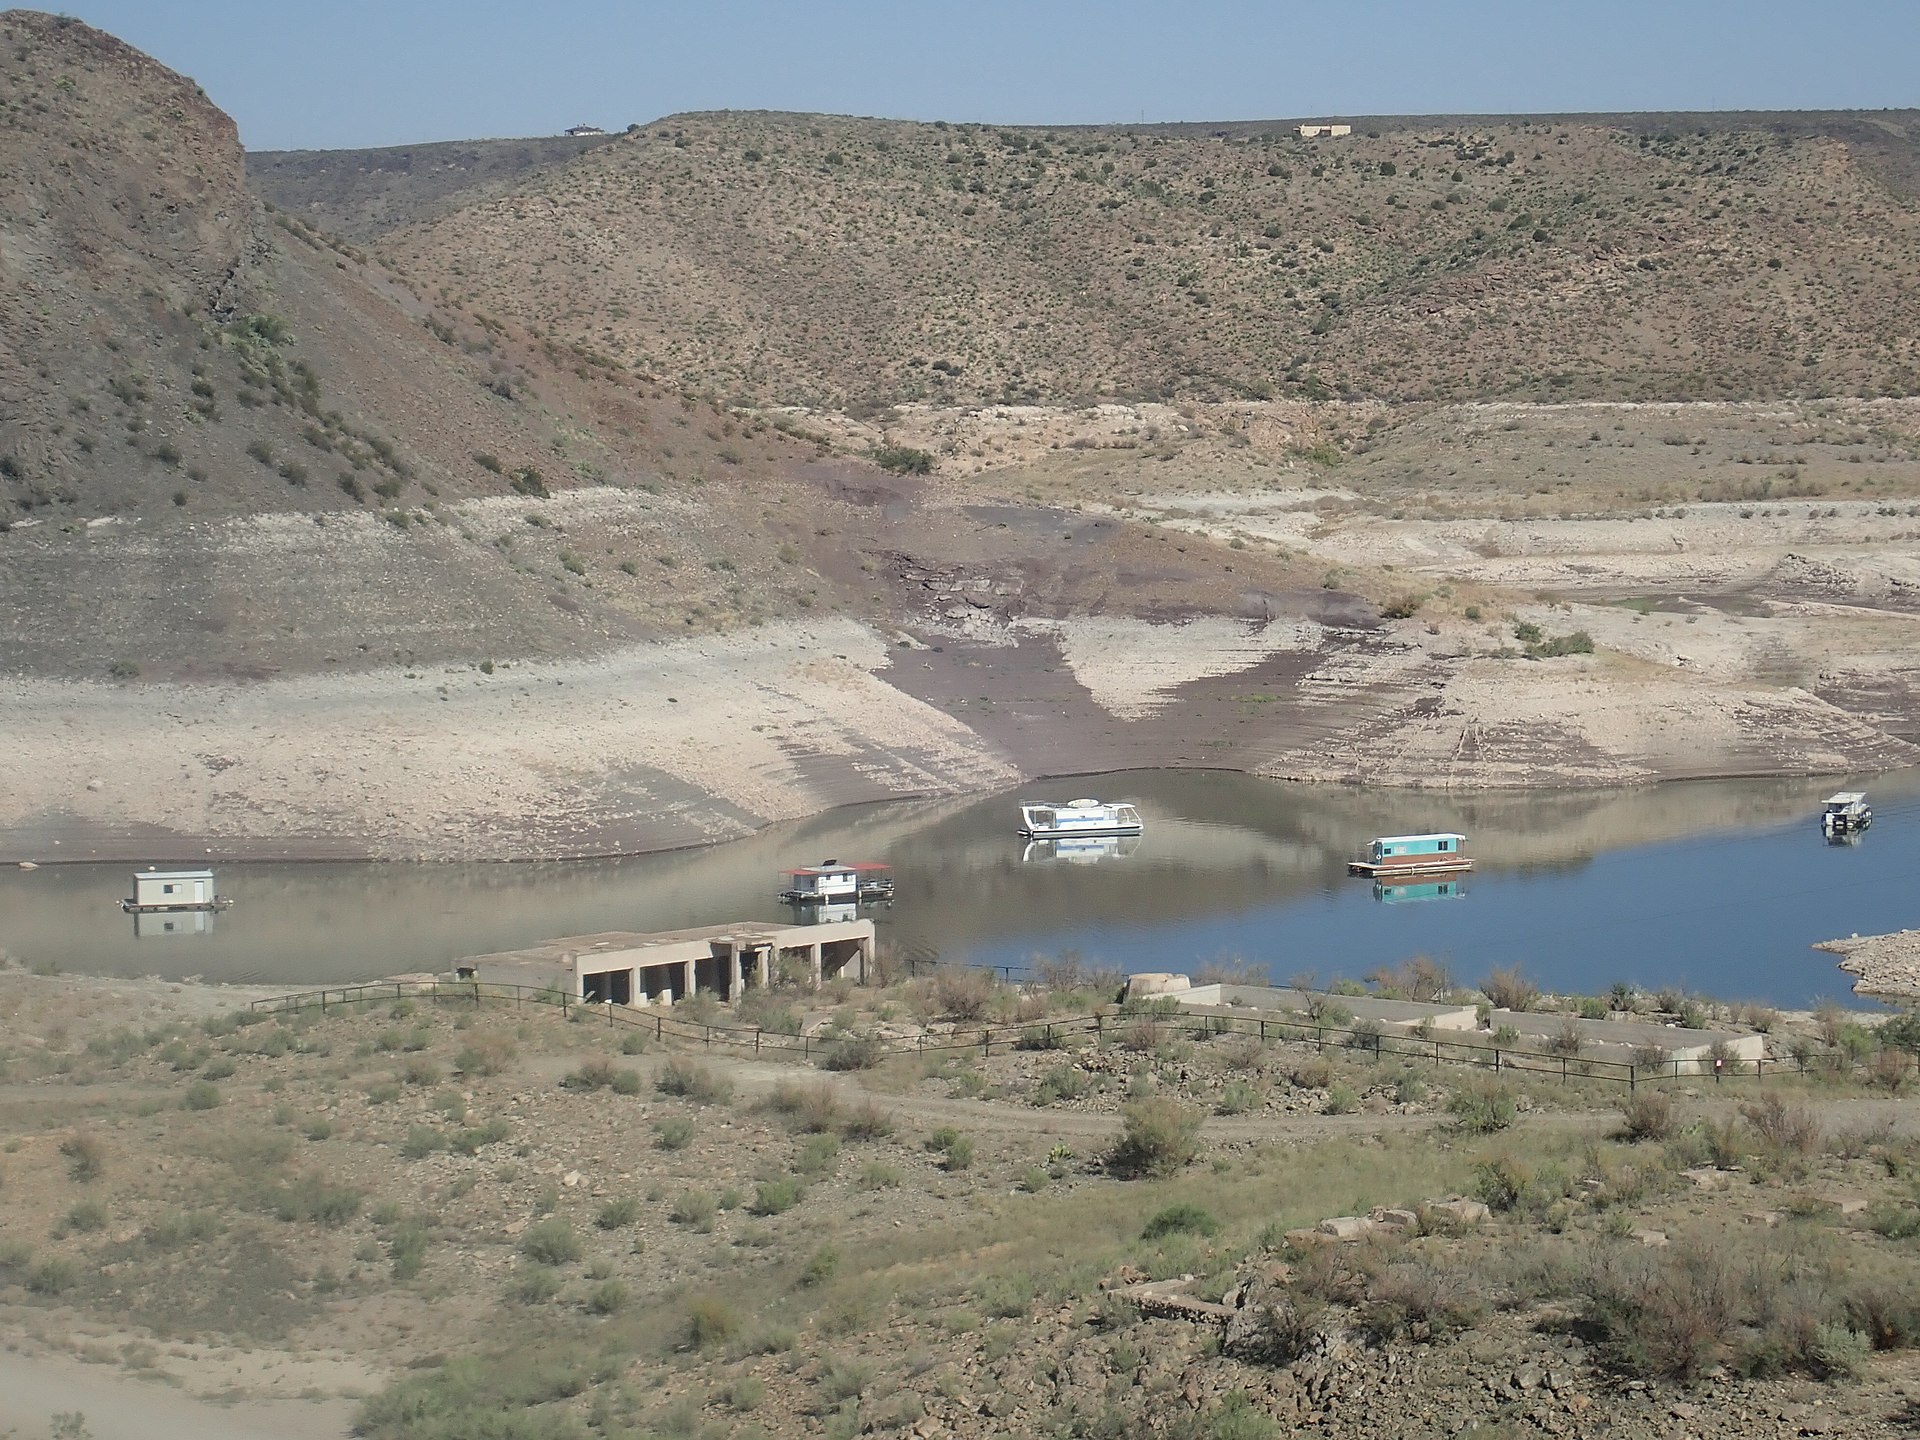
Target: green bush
x,y
710,1321
609,1297
855,1052
1183,1218
469,1140
54,1275
693,1207
673,1133
86,1217
1062,1082
201,1095
775,1197
618,1214
1157,1137
693,1082
903,460
422,1141
1483,1108
551,1242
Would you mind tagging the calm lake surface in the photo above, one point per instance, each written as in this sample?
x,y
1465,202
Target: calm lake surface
x,y
1719,887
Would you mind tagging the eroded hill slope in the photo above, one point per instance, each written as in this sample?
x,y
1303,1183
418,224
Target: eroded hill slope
x,y
846,262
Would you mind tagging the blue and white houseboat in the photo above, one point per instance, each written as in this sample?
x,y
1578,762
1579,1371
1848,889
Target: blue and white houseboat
x,y
1393,856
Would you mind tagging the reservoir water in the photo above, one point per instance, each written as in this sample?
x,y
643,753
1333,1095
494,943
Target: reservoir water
x,y
1718,887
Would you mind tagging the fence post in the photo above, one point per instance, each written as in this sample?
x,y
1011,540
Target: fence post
x,y
1563,1069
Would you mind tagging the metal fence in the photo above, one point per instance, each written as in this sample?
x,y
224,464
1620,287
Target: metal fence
x,y
1139,1027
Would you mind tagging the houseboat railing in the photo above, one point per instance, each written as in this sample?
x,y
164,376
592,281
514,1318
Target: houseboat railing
x,y
1123,1023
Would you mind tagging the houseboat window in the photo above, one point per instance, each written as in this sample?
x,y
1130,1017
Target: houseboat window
x,y
1446,844
166,889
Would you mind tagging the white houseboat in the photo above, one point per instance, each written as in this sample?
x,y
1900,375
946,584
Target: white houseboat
x,y
1050,820
157,890
838,882
1846,813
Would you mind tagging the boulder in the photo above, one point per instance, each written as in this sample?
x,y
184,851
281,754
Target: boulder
x,y
1347,1227
1457,1213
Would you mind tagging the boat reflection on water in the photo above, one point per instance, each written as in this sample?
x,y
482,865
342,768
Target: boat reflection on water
x,y
826,914
1080,849
150,924
1419,890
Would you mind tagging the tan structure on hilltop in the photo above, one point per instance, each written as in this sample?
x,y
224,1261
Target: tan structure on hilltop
x,y
1323,132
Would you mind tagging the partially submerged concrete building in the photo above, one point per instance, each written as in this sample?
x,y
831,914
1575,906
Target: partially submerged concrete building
x,y
623,967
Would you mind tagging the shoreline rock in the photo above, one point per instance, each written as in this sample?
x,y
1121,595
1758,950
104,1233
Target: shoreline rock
x,y
1884,965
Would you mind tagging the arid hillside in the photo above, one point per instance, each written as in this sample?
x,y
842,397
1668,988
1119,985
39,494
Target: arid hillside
x,y
843,262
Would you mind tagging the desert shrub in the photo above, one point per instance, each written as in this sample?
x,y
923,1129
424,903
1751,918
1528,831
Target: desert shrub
x,y
86,1156
407,1250
879,1176
745,1393
775,1197
1669,1318
618,1214
609,1297
418,1070
695,1208
814,1108
200,1095
768,1011
711,1321
1483,1108
1566,1038
820,1267
1409,1087
1651,1057
222,1068
855,1052
817,1155
1062,1082
958,1154
1509,990
1647,1115
594,1074
1040,1037
488,1053
1783,1129
903,460
534,1285
1157,1137
470,1139
1416,1300
866,1121
693,1081
176,1228
962,993
626,1082
85,1217
52,1276
318,1201
551,1242
673,1133
421,1141
1891,1070
1236,1097
1342,1100
1237,1417
1183,1218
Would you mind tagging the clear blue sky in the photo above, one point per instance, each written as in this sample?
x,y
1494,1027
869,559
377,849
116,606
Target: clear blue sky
x,y
327,73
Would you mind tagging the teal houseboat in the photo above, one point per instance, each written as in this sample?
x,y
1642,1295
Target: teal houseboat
x,y
1398,855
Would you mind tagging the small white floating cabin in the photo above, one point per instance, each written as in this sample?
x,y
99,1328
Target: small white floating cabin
x,y
1050,820
155,890
838,882
1442,853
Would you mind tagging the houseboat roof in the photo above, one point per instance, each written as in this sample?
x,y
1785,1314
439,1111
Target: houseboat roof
x,y
151,874
839,867
1409,839
1846,797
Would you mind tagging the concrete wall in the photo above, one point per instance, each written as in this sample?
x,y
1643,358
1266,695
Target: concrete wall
x,y
1398,1015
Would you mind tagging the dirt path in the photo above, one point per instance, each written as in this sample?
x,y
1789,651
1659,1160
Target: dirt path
x,y
36,1387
